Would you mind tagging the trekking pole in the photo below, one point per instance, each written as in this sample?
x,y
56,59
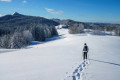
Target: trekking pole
x,y
88,56
83,56
89,59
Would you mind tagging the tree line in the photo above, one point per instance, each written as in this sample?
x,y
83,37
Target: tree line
x,y
98,28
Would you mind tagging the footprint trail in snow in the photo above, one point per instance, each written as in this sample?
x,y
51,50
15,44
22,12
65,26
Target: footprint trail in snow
x,y
78,73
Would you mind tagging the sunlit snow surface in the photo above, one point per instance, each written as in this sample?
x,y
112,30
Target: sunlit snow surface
x,y
60,58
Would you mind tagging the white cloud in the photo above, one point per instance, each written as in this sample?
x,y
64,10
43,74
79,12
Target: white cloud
x,y
52,11
6,0
24,1
0,15
49,10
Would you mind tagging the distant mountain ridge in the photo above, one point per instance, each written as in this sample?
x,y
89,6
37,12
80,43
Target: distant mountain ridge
x,y
25,19
20,18
86,24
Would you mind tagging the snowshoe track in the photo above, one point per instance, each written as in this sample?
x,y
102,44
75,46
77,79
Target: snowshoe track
x,y
78,72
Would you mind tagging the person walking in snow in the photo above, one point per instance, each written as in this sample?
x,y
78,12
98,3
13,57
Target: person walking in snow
x,y
85,51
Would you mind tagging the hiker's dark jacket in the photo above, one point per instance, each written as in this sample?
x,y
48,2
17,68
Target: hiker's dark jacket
x,y
85,49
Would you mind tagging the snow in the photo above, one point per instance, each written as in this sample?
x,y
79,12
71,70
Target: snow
x,y
7,50
15,13
61,26
60,58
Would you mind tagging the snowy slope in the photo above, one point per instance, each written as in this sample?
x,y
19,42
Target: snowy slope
x,y
60,58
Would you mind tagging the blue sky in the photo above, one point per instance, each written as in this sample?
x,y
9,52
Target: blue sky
x,y
80,10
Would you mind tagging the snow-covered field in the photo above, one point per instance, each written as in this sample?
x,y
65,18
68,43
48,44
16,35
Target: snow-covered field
x,y
60,58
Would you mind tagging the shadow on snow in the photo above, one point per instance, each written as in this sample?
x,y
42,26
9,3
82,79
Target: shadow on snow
x,y
47,40
105,62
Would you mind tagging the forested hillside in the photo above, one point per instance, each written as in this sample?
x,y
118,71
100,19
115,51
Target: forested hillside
x,y
18,30
98,28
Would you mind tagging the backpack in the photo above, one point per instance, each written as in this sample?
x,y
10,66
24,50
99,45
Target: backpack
x,y
85,48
